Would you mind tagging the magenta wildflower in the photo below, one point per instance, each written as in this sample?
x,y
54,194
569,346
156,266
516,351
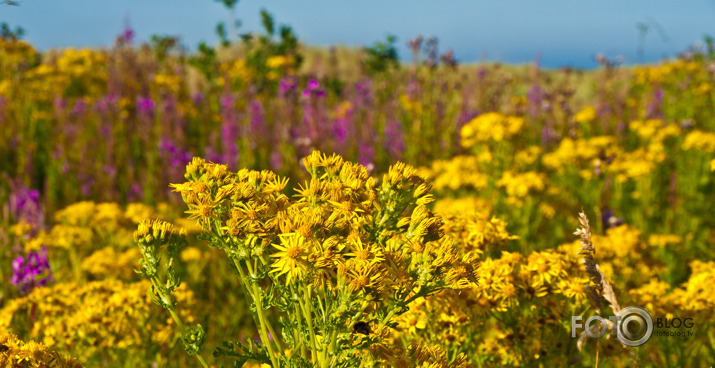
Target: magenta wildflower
x,y
229,131
80,107
366,156
128,34
313,89
276,160
145,105
24,206
32,272
286,85
259,128
394,140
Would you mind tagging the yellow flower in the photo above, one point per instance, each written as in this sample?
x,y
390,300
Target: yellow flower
x,y
202,212
363,277
279,61
587,114
700,140
291,258
191,254
364,254
108,263
661,240
491,126
17,353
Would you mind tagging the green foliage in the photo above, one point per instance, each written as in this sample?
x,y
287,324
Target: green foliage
x,y
381,57
7,33
205,61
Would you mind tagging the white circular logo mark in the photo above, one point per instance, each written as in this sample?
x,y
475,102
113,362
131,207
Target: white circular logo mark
x,y
635,326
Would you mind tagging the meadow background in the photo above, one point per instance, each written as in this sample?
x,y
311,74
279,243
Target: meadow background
x,y
91,138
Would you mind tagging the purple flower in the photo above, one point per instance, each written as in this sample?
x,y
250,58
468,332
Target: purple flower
x,y
3,105
340,130
145,105
276,160
415,45
135,193
110,170
227,102
230,131
32,272
103,104
80,107
128,34
198,98
363,94
547,135
24,205
394,140
287,84
211,155
655,107
536,96
60,103
259,129
366,156
609,220
313,89
482,72
87,184
174,157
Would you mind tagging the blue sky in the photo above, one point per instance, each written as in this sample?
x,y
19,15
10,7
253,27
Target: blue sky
x,y
563,32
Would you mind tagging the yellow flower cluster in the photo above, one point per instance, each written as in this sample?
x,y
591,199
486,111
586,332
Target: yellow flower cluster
x,y
700,140
83,224
693,296
109,263
62,237
512,286
654,129
167,81
464,205
58,76
14,56
616,253
16,353
662,240
235,72
519,185
476,232
491,126
419,355
410,105
280,61
343,239
696,294
456,173
656,74
586,115
79,63
577,153
91,318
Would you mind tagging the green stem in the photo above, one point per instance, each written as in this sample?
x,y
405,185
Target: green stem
x,y
307,313
300,329
263,330
259,296
255,294
167,301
